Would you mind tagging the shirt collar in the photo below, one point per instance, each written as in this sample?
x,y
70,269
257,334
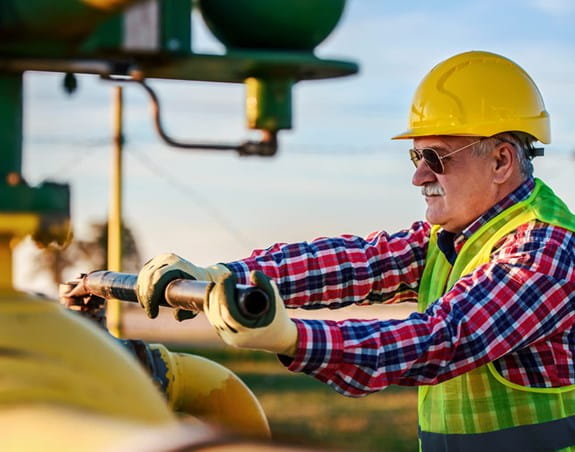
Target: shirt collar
x,y
450,243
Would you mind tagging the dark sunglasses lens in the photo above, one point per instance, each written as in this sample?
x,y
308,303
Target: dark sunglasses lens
x,y
432,160
415,157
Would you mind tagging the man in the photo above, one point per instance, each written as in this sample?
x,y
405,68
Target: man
x,y
492,269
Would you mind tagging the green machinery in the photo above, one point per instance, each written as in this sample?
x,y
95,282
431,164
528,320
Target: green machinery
x,y
51,361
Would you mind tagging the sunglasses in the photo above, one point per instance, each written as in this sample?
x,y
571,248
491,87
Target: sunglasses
x,y
432,159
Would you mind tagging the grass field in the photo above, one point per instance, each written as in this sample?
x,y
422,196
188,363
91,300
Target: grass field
x,y
303,411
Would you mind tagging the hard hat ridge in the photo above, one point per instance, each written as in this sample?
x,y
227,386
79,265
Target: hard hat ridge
x,y
477,93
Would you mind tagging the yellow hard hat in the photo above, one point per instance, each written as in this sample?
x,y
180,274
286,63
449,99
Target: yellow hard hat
x,y
480,94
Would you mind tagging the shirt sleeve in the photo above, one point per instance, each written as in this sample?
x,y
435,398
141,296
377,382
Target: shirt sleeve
x,y
520,302
335,272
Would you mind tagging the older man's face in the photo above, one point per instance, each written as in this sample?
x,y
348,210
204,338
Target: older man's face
x,y
464,191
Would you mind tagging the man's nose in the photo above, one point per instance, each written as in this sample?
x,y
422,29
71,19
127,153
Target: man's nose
x,y
422,174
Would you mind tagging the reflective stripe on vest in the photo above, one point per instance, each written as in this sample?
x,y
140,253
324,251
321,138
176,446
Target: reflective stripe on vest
x,y
481,406
553,435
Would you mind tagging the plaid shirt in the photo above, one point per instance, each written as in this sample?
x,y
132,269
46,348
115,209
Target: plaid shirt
x,y
516,310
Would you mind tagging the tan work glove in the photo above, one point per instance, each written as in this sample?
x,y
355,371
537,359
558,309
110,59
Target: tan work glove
x,y
159,271
275,332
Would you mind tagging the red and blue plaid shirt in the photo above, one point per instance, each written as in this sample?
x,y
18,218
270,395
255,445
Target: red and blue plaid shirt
x,y
518,310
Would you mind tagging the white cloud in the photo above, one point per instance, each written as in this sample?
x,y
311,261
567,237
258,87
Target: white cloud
x,y
554,7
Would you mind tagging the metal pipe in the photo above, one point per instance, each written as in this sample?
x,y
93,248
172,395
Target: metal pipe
x,y
266,147
252,302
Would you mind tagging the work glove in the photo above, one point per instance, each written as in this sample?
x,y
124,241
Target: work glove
x,y
159,271
275,332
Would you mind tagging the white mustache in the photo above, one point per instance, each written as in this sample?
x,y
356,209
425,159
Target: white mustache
x,y
432,190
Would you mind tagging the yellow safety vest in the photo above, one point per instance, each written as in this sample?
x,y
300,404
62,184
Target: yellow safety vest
x,y
481,410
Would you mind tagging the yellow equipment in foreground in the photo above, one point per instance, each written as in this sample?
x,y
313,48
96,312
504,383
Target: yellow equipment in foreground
x,y
66,384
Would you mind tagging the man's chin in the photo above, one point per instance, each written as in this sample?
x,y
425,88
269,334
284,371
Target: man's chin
x,y
433,216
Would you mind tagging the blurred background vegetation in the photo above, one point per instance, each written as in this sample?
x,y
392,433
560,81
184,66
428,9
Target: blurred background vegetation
x,y
89,254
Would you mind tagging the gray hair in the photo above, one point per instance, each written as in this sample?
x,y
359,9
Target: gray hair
x,y
521,141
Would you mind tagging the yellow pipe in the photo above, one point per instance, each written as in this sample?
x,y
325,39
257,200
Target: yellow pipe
x,y
61,374
67,385
114,307
53,356
210,392
56,364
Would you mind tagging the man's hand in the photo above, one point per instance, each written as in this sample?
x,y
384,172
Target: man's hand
x,y
277,335
158,272
75,296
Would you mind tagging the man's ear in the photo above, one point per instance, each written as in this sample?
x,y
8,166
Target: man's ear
x,y
504,161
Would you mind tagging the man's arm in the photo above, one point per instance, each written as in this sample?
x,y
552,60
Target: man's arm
x,y
335,272
327,272
515,310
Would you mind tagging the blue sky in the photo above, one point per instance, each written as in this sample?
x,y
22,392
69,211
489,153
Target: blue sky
x,y
337,171
396,43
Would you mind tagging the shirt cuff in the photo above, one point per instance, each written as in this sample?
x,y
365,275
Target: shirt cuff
x,y
319,348
240,270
